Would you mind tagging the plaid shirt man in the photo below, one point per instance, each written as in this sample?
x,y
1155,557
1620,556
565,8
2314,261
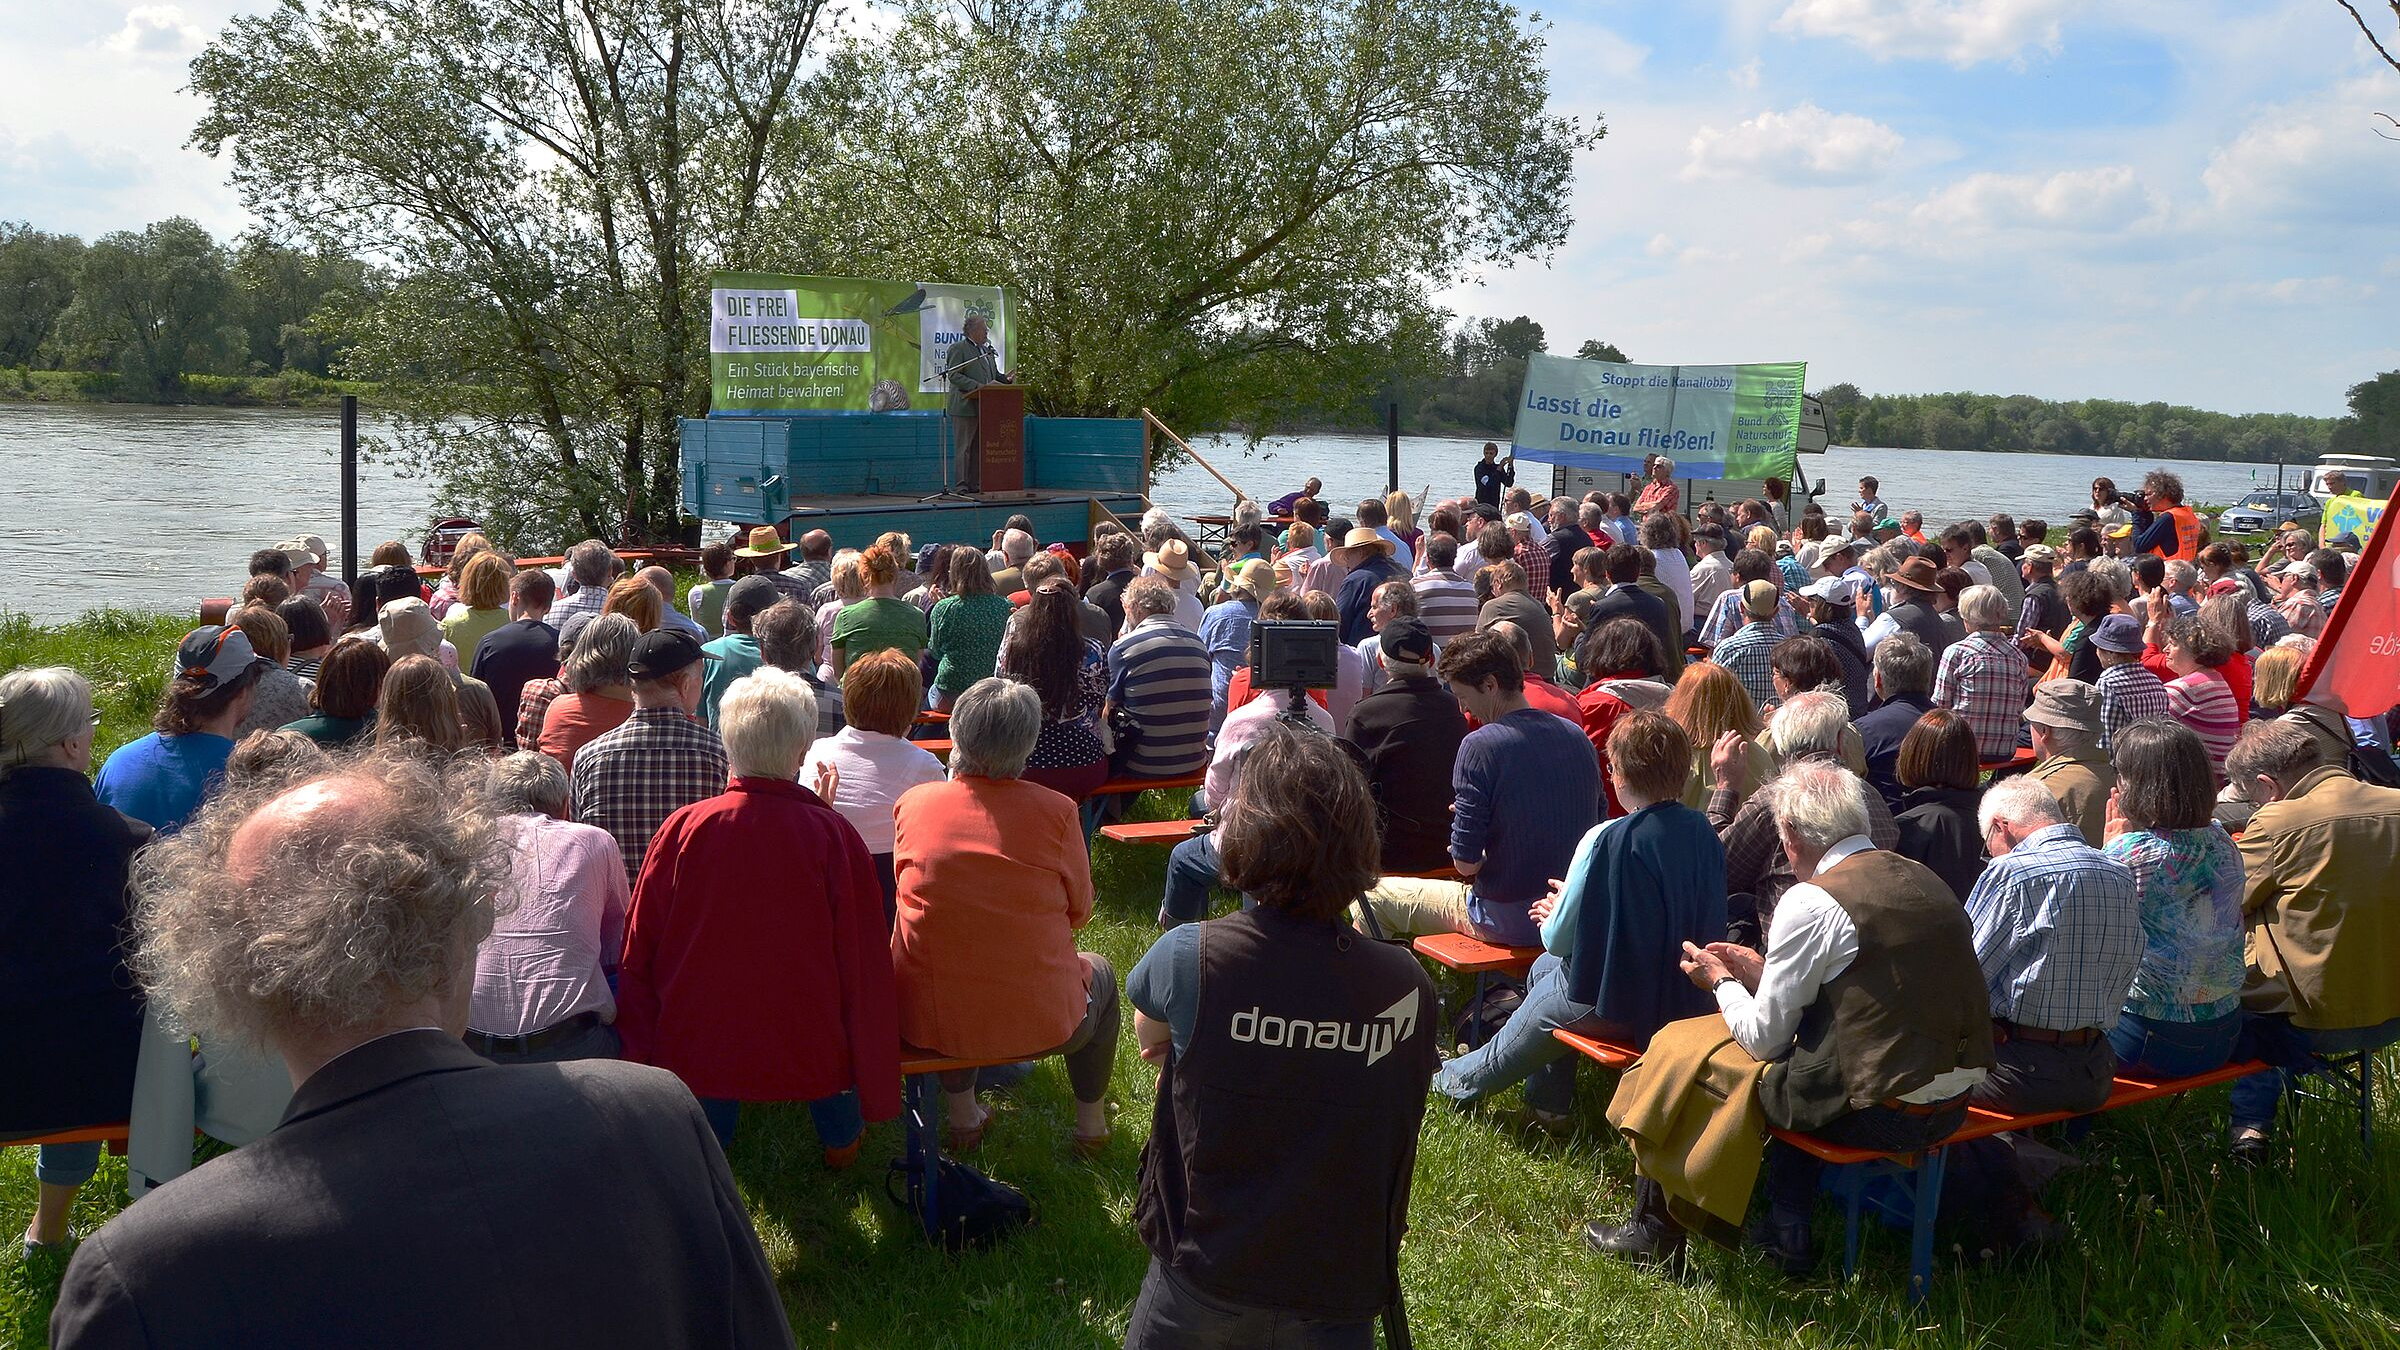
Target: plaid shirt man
x,y
533,704
630,779
2266,624
1536,561
2058,931
1725,618
830,717
2129,693
1750,655
1983,679
572,612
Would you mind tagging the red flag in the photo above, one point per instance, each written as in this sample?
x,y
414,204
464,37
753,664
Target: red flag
x,y
2358,656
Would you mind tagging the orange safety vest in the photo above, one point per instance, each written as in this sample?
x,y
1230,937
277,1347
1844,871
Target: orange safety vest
x,y
2187,533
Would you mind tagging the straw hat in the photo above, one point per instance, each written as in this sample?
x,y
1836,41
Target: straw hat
x,y
1362,537
1172,561
1255,578
765,542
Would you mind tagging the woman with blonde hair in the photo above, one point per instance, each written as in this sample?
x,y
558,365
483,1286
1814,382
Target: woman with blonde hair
x,y
1709,703
881,621
1401,512
848,579
418,705
482,606
2275,679
637,600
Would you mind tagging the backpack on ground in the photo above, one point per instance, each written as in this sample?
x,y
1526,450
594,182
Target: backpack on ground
x,y
976,1211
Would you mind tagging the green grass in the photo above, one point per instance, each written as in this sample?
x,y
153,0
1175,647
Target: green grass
x,y
2167,1246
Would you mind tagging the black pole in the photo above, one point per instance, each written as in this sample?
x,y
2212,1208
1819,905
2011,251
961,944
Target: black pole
x,y
1391,458
349,489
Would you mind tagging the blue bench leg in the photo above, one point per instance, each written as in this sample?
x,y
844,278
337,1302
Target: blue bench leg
x,y
1929,1202
1851,1180
925,1149
1476,1027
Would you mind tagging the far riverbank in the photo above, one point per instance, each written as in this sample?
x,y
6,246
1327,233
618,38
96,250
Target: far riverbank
x,y
287,390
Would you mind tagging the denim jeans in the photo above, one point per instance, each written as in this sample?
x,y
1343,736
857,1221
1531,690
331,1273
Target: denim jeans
x,y
2273,1038
2151,1050
1524,1050
1192,881
66,1164
838,1119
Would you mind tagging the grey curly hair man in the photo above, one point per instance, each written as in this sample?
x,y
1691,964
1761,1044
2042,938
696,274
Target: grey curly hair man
x,y
333,916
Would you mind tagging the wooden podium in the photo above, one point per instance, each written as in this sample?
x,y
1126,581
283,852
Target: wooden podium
x,y
1000,437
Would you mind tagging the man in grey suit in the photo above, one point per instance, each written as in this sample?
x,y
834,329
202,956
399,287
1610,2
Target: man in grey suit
x,y
415,1195
972,364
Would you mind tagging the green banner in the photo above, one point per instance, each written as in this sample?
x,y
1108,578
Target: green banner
x,y
779,345
1736,422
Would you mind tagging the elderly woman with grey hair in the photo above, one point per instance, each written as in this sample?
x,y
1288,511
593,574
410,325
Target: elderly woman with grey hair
x,y
994,883
757,966
599,693
334,921
544,976
74,1020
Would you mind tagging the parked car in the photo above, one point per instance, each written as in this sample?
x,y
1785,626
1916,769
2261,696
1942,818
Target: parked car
x,y
2267,510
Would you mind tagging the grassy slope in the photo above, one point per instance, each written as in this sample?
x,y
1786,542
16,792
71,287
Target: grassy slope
x,y
2168,1247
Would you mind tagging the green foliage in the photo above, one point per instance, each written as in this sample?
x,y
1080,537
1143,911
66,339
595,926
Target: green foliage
x,y
2107,427
551,185
1593,349
154,307
1230,211
123,653
2373,426
284,291
37,280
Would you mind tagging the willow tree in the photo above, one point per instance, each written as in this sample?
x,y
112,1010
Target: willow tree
x,y
549,181
1222,209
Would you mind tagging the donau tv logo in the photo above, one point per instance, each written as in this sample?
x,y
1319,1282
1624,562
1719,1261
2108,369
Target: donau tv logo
x,y
1373,1038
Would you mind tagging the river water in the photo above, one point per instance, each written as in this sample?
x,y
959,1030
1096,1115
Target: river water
x,y
154,507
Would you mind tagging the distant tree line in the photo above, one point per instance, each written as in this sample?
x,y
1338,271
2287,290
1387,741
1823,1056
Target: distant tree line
x,y
2108,427
154,306
1463,376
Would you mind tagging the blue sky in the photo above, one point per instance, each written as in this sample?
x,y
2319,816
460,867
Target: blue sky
x,y
2184,201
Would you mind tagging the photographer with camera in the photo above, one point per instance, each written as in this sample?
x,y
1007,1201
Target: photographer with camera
x,y
1283,676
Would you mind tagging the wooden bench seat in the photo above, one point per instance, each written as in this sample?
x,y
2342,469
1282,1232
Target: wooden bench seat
x,y
1473,956
1150,831
1920,1174
1116,787
2018,762
88,1134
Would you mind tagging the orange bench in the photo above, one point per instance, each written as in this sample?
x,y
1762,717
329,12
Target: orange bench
x,y
1920,1174
1469,955
1150,831
936,746
2016,763
1115,787
115,1136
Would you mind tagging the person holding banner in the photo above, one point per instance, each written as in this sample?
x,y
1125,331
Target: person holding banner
x,y
971,364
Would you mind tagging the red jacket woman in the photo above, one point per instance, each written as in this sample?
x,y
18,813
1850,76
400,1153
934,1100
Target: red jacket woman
x,y
756,963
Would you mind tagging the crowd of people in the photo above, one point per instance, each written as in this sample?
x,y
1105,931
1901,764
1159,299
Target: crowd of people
x,y
1932,822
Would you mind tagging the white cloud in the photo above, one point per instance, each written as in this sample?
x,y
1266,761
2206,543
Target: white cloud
x,y
1805,145
1745,75
2314,292
2313,160
156,30
1961,32
2110,199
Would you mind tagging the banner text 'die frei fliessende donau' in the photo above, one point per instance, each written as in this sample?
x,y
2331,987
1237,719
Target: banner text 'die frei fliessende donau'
x,y
1714,421
790,344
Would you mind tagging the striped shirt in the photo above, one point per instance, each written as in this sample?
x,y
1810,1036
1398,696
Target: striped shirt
x,y
2204,702
1446,603
2128,694
1159,674
1984,679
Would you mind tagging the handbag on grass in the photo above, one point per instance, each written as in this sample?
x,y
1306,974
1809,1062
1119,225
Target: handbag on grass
x,y
976,1211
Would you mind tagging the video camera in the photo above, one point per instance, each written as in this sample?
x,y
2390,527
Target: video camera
x,y
1295,654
